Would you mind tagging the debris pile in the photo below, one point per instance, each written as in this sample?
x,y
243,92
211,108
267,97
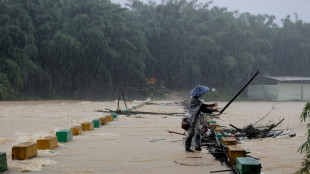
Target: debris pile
x,y
252,132
223,142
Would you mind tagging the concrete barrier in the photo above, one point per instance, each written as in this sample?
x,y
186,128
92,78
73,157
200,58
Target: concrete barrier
x,y
235,151
220,135
211,121
213,125
49,142
115,116
248,165
24,151
76,130
229,141
103,120
87,126
64,135
109,117
218,129
96,123
3,162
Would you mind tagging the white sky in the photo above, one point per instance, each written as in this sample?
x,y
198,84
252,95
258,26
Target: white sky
x,y
278,8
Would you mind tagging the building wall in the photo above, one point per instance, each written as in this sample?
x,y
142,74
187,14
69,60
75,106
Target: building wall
x,y
289,91
255,92
306,88
262,92
271,92
286,92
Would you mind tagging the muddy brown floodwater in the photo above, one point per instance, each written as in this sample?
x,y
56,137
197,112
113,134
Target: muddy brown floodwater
x,y
140,144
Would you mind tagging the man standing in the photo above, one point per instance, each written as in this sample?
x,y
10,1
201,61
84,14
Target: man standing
x,y
195,108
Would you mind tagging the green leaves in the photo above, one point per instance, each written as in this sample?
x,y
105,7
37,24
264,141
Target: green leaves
x,y
230,63
305,113
305,147
92,48
5,87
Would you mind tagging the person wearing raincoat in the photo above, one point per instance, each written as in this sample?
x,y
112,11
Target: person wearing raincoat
x,y
194,116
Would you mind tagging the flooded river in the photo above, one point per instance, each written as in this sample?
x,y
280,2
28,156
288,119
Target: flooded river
x,y
140,143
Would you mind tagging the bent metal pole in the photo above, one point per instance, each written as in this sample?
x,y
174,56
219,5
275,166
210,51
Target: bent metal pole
x,y
239,93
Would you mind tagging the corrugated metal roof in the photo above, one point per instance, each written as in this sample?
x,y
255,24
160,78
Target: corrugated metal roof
x,y
288,79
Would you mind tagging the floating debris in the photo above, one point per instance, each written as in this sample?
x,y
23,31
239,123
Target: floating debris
x,y
255,132
159,139
140,112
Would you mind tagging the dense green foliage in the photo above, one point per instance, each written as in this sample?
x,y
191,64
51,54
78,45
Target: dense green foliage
x,y
94,48
305,147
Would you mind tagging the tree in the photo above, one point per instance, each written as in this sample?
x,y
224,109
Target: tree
x,y
305,147
94,48
5,87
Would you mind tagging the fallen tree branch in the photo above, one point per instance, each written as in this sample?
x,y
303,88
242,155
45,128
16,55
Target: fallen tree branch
x,y
271,127
172,132
139,112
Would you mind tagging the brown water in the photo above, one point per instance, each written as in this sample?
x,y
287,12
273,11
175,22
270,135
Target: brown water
x,y
125,146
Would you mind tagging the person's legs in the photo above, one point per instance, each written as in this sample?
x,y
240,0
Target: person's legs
x,y
188,140
198,141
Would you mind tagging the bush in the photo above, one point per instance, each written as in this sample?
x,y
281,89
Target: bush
x,y
305,148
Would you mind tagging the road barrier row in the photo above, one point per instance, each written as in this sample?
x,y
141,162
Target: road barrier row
x,y
236,154
27,150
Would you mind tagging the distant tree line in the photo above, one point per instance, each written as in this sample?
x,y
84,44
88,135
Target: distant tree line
x,y
77,49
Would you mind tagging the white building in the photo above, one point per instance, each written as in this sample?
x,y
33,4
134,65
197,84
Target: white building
x,y
281,89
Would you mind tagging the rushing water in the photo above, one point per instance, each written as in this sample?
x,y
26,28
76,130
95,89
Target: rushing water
x,y
139,144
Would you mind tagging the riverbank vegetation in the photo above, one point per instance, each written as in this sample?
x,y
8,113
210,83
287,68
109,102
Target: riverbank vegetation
x,y
305,147
91,49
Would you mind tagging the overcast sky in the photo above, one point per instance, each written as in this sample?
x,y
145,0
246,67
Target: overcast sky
x,y
279,8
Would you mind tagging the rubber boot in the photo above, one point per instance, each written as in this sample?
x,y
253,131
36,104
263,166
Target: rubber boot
x,y
189,150
198,142
188,145
198,149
